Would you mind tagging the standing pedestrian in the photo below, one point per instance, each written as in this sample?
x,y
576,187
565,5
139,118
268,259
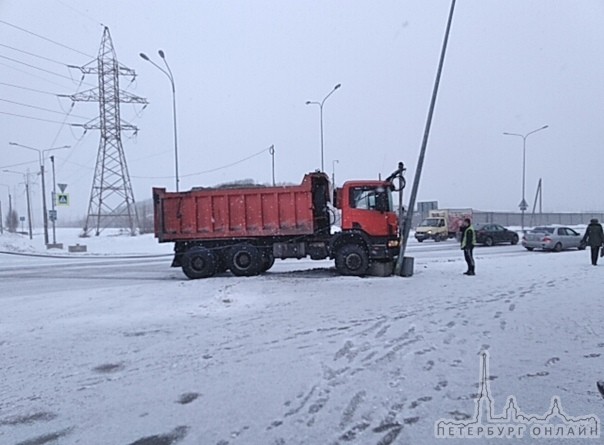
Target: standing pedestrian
x,y
594,238
468,241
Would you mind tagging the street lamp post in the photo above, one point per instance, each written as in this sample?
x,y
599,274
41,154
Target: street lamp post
x,y
170,76
41,157
523,204
320,104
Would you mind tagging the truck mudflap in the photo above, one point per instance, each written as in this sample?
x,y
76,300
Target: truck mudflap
x,y
176,261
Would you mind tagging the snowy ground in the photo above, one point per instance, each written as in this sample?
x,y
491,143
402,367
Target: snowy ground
x,y
297,356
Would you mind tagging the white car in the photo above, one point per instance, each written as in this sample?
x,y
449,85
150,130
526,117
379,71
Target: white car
x,y
552,238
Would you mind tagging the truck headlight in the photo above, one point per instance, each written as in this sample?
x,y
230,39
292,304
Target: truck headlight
x,y
393,243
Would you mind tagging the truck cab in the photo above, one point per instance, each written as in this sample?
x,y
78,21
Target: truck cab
x,y
369,225
367,206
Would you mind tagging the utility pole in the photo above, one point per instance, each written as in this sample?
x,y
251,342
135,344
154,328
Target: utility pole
x,y
53,204
26,180
28,205
422,152
538,197
111,197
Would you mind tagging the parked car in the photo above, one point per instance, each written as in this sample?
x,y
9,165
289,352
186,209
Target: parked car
x,y
552,238
490,234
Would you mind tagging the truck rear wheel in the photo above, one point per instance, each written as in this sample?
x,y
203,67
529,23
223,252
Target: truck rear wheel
x,y
352,259
199,262
244,260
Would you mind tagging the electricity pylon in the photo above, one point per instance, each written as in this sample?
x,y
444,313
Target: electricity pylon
x,y
111,199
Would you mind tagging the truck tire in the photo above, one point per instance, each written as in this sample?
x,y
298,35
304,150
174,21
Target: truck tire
x,y
352,260
244,260
267,260
199,262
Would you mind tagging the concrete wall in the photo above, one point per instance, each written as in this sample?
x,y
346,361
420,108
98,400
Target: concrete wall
x,y
514,218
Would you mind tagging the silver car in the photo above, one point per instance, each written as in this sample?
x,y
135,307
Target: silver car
x,y
552,238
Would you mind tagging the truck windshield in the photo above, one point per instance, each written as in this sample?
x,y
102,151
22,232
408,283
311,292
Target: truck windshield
x,y
430,222
371,198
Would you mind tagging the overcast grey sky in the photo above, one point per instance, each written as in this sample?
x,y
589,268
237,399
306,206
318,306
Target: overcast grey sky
x,y
244,70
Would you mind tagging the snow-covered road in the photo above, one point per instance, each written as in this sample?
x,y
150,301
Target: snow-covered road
x,y
297,356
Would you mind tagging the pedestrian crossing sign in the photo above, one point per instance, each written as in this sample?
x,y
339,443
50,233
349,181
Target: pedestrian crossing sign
x,y
63,199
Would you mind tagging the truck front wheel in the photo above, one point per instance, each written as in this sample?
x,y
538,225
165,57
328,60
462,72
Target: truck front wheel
x,y
352,259
244,260
199,262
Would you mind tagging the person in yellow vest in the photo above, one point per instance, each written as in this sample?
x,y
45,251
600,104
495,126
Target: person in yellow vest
x,y
468,241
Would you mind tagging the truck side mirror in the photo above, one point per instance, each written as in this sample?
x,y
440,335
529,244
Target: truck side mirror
x,y
337,195
381,202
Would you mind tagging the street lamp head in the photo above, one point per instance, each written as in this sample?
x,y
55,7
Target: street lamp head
x,y
12,143
161,54
144,56
308,102
337,86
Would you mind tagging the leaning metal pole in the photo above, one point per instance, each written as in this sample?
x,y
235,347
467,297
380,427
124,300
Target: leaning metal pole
x,y
422,153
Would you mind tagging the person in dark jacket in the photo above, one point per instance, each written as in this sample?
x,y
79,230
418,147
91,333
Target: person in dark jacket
x,y
468,241
594,238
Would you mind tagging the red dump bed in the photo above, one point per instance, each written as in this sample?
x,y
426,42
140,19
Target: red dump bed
x,y
218,213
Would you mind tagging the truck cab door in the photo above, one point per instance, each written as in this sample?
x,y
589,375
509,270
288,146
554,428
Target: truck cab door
x,y
369,209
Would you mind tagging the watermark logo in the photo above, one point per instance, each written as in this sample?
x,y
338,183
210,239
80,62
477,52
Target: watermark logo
x,y
512,422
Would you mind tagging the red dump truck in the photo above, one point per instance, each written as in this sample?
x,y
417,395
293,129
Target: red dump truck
x,y
245,229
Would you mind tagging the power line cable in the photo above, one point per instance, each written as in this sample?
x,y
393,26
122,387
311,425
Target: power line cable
x,y
228,165
30,117
32,54
28,89
40,108
32,74
18,165
80,12
40,69
45,38
67,114
210,170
